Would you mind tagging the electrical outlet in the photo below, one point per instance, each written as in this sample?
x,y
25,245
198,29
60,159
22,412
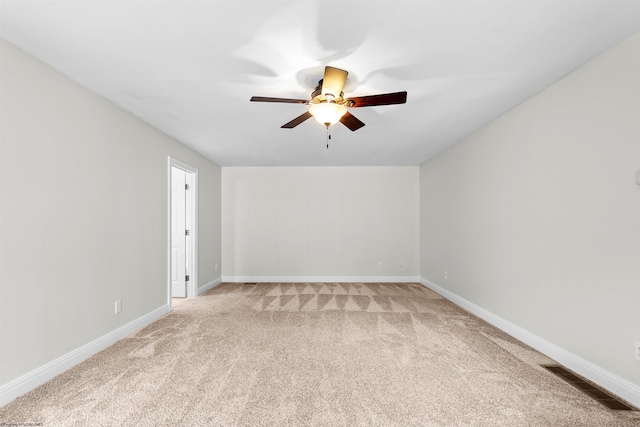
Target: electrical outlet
x,y
380,266
118,306
638,351
446,275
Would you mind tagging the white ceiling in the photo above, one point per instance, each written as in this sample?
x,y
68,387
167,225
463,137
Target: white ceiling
x,y
190,67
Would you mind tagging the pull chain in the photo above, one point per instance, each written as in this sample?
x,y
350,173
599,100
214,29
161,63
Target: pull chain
x,y
328,135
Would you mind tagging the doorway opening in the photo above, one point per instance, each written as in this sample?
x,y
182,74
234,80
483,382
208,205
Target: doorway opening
x,y
183,222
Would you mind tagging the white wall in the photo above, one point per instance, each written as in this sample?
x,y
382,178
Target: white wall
x,y
536,217
320,223
83,193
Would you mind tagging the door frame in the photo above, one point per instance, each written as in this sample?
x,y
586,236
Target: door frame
x,y
192,244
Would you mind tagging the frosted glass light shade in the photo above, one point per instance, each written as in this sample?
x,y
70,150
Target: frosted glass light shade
x,y
327,112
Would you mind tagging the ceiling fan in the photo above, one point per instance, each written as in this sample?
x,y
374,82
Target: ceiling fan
x,y
328,104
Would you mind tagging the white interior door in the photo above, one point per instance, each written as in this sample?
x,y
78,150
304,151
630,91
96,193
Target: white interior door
x,y
178,233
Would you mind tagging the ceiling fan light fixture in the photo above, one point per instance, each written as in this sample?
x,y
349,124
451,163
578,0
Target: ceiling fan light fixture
x,y
328,104
327,113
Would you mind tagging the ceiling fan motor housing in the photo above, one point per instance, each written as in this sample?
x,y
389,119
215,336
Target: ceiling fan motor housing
x,y
318,98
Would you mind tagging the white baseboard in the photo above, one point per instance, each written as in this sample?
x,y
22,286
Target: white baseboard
x,y
321,279
208,286
615,384
41,375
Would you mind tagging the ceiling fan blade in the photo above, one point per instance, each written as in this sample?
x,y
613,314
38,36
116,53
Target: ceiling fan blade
x,y
333,81
287,100
382,99
350,121
295,122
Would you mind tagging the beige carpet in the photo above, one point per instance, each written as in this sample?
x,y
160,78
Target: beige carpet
x,y
317,355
